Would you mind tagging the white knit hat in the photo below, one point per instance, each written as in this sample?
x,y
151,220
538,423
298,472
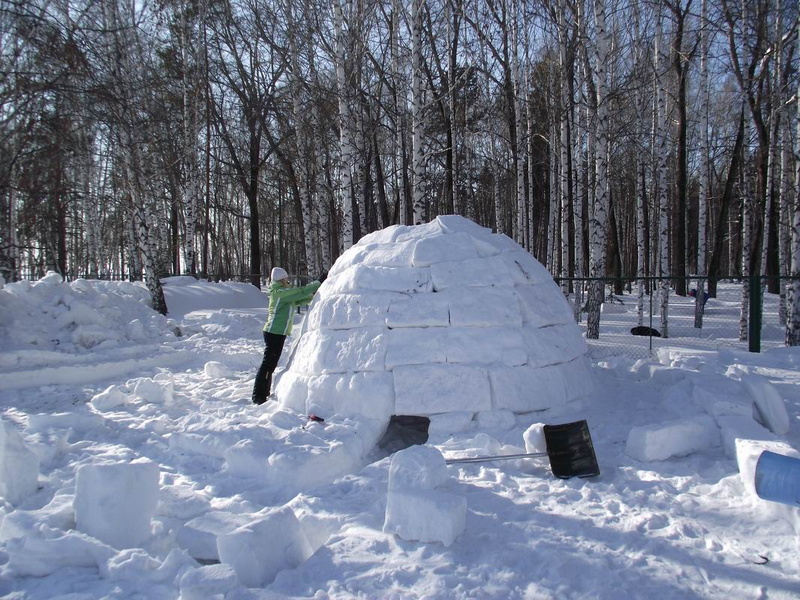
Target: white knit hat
x,y
278,274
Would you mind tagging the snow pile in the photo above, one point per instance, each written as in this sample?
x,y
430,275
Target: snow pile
x,y
437,318
78,317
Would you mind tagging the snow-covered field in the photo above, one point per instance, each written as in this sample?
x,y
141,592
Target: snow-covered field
x,y
99,395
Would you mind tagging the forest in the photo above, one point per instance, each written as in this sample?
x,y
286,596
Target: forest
x,y
218,138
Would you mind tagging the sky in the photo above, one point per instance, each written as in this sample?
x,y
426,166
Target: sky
x,y
224,499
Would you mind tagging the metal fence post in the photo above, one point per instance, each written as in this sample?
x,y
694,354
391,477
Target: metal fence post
x,y
754,333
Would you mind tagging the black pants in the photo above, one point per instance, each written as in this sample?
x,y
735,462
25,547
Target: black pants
x,y
272,354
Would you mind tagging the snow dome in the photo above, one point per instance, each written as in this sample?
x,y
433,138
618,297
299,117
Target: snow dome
x,y
441,318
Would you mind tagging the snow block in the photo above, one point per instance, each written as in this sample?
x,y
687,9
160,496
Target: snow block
x,y
484,307
152,391
770,409
417,467
415,346
527,388
367,395
291,390
449,423
672,438
747,454
485,346
19,466
199,535
261,549
432,389
419,310
534,438
116,502
473,272
348,311
217,370
524,268
543,305
554,344
210,582
425,515
496,419
341,351
109,399
438,248
735,428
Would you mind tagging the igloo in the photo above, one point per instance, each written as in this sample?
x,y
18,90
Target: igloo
x,y
445,317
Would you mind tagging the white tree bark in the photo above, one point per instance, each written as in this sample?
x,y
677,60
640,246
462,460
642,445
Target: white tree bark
x,y
598,224
793,323
417,107
663,197
746,232
346,145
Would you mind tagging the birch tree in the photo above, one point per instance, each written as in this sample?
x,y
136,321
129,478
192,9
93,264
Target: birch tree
x,y
704,180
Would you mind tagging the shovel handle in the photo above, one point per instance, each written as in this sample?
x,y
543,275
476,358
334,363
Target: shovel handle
x,y
475,459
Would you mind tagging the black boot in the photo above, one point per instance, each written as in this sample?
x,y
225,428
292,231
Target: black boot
x,y
262,387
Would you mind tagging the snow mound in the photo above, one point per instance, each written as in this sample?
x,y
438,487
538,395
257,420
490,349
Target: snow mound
x,y
79,317
438,318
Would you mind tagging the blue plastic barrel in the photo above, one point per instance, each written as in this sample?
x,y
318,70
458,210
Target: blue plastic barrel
x,y
778,478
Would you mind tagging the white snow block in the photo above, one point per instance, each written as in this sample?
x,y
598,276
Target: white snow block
x,y
496,419
109,399
554,344
366,395
523,267
485,346
748,453
342,351
735,428
440,248
291,390
534,438
770,409
417,467
425,515
419,310
450,423
116,502
347,311
473,272
543,305
210,582
431,389
387,254
527,388
152,391
680,437
199,535
19,466
484,307
217,370
415,346
261,549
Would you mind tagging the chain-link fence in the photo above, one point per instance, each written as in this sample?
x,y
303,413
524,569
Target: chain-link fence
x,y
763,320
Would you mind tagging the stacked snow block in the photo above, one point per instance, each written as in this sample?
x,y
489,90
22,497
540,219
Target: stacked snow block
x,y
433,319
415,510
116,502
263,548
19,466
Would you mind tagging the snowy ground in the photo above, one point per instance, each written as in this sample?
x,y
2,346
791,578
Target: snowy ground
x,y
89,375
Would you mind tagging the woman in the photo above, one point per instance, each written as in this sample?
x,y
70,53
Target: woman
x,y
283,299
